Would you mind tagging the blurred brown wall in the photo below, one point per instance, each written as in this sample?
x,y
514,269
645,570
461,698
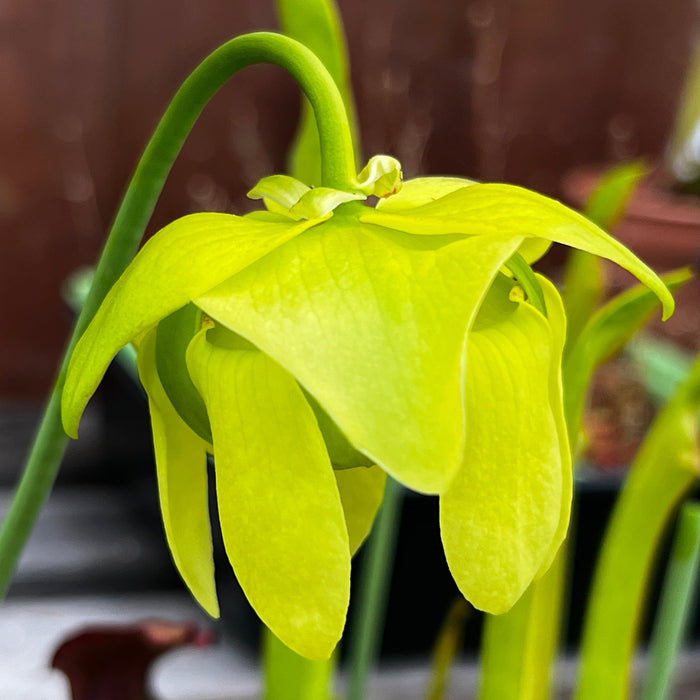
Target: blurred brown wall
x,y
494,89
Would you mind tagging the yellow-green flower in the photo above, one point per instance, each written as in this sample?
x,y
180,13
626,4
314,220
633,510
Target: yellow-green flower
x,y
304,344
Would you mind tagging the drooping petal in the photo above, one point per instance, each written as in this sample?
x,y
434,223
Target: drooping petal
x,y
423,190
283,190
556,318
180,262
372,323
181,464
502,510
280,511
361,491
495,208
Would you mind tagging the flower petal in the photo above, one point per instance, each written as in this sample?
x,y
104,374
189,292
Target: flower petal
x,y
280,511
556,317
423,190
496,208
502,510
183,260
181,463
372,323
361,491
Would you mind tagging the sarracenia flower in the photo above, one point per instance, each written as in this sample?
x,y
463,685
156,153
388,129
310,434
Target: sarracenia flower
x,y
318,345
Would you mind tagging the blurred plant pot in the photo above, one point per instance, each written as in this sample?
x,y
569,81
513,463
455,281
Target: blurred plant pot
x,y
664,230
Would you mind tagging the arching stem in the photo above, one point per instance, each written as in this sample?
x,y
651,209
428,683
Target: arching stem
x,y
338,171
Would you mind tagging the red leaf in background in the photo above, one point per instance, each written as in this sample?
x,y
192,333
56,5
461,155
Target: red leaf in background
x,y
111,662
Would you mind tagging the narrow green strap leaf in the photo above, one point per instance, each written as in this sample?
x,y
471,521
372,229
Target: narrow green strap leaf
x,y
281,516
672,617
289,676
488,209
183,260
361,490
583,276
373,325
606,333
502,510
181,463
666,466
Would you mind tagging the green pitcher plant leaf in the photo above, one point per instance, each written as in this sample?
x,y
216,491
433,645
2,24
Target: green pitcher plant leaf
x,y
583,283
663,471
326,343
605,334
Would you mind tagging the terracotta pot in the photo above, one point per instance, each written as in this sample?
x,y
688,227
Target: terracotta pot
x,y
664,230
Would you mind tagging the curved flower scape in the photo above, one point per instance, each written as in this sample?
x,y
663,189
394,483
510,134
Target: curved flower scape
x,y
304,344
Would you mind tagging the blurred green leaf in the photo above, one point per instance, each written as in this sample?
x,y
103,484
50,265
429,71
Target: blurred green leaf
x,y
674,611
605,334
583,275
665,468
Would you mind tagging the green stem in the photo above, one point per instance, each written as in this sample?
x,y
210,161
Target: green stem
x,y
665,468
374,587
338,166
672,616
289,676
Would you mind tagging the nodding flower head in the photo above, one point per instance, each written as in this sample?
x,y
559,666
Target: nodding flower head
x,y
322,343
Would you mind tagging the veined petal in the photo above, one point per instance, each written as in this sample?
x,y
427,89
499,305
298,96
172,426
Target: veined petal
x,y
421,190
372,323
495,208
502,510
424,190
281,516
183,260
361,491
181,464
556,317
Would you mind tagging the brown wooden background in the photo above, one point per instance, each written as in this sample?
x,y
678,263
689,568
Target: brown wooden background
x,y
515,90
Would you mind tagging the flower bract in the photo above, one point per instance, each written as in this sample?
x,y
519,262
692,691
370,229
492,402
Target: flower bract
x,y
320,344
